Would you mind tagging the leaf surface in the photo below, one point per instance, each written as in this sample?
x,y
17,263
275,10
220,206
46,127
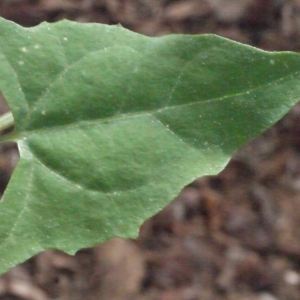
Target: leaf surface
x,y
111,125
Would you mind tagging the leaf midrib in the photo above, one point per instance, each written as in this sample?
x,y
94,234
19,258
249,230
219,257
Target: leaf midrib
x,y
15,136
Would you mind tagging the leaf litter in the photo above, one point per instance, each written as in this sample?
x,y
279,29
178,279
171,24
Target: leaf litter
x,y
230,236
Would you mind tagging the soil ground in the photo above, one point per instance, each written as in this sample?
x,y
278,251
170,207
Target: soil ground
x,y
232,236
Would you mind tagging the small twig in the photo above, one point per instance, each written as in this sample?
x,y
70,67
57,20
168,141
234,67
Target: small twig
x,y
6,121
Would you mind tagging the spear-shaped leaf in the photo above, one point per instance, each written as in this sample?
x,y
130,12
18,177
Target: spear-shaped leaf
x,y
111,125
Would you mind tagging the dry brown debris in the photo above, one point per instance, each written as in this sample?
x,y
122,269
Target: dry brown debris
x,y
234,236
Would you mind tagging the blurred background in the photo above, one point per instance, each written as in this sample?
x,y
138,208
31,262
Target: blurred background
x,y
268,24
273,25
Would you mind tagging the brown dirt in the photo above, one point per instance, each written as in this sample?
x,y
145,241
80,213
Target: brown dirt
x,y
233,236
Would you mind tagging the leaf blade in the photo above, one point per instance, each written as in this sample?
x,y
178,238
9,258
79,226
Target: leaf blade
x,y
112,127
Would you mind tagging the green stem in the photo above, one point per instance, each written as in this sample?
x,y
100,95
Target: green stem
x,y
6,121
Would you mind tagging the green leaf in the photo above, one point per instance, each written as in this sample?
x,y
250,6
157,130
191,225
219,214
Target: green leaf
x,y
111,125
